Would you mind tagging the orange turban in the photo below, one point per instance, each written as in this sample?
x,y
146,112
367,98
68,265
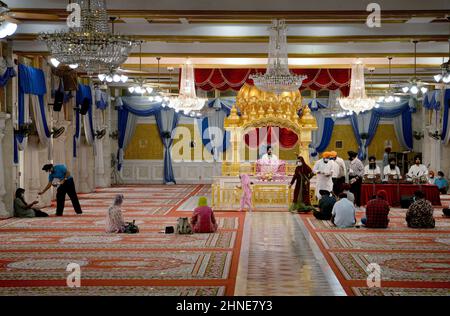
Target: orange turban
x,y
326,154
333,154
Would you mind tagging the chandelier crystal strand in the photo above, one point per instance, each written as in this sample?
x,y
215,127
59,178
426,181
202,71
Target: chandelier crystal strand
x,y
278,78
187,100
357,101
90,46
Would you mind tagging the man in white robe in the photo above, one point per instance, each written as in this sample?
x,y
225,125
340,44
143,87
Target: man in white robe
x,y
324,171
391,170
269,156
417,170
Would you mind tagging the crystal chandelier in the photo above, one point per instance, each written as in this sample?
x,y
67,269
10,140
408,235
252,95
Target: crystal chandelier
x,y
415,86
91,47
389,97
357,101
187,100
278,78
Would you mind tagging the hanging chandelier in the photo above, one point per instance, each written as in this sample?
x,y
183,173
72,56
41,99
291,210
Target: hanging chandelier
x,y
90,47
415,86
390,96
357,101
444,75
278,78
187,100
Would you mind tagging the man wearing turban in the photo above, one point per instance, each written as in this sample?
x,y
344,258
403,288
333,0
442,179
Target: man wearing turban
x,y
324,171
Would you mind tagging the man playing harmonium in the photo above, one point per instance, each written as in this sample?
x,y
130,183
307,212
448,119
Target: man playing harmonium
x,y
391,172
418,172
372,172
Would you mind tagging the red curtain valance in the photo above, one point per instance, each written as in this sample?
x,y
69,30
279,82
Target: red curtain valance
x,y
317,79
286,138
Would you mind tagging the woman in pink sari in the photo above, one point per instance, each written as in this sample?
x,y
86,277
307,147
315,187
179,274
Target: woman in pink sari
x,y
246,199
203,220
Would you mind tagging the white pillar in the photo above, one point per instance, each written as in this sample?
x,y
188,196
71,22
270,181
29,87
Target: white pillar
x,y
100,180
3,210
84,170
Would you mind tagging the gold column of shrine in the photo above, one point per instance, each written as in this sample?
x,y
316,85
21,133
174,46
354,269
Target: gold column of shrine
x,y
263,109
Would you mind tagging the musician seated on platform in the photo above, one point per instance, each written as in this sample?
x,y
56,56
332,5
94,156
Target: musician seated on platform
x,y
377,211
326,204
346,189
344,212
372,171
441,182
420,213
418,170
269,156
391,171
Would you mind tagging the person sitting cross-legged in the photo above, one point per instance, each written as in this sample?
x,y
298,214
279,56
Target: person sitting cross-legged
x,y
23,209
326,204
346,189
344,212
441,182
420,213
377,212
203,220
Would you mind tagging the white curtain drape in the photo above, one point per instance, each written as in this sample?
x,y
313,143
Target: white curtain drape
x,y
215,131
129,132
317,135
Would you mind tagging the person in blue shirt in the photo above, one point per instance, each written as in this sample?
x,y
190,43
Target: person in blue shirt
x,y
59,176
441,182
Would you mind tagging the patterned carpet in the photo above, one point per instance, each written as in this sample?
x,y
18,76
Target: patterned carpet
x,y
34,253
413,261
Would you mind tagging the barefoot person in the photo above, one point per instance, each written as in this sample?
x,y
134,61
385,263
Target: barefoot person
x,y
66,186
301,199
23,209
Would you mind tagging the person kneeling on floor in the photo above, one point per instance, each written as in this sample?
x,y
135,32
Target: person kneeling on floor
x,y
203,220
377,212
114,218
326,204
344,212
23,209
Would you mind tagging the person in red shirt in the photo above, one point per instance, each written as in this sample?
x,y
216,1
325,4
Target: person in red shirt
x,y
377,212
203,220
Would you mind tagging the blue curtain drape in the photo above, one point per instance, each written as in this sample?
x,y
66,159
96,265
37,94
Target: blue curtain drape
x,y
432,100
167,121
327,132
9,73
445,120
83,92
31,81
203,126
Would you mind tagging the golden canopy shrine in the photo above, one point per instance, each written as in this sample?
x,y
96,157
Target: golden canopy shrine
x,y
258,109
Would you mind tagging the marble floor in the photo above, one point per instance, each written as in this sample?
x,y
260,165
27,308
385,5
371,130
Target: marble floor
x,y
278,258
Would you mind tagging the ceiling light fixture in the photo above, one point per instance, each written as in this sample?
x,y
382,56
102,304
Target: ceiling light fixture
x,y
414,85
389,96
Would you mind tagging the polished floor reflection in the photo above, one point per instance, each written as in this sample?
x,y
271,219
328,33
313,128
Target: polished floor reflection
x,y
277,259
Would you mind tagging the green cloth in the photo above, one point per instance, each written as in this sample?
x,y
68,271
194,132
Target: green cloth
x,y
300,207
21,210
202,201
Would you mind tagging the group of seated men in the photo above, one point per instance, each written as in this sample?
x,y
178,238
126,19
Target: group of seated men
x,y
342,211
416,171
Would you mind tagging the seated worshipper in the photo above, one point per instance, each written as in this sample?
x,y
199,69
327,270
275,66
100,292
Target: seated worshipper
x,y
301,200
23,209
431,177
446,212
391,171
326,204
418,170
114,218
441,182
269,156
346,189
343,213
377,211
420,213
203,220
324,171
372,171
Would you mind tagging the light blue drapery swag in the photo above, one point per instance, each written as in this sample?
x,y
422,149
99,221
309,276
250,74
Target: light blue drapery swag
x,y
214,137
366,123
167,121
129,108
31,82
224,104
432,101
101,99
